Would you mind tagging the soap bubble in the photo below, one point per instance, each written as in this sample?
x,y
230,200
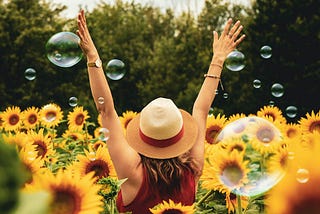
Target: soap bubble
x,y
235,61
63,49
302,175
115,69
104,134
251,156
277,90
100,100
30,74
291,111
73,101
256,83
266,52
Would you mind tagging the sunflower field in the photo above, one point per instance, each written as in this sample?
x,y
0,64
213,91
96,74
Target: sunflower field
x,y
257,163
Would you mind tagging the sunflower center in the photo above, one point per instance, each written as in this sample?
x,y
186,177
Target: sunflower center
x,y
291,133
50,116
211,133
127,122
100,168
172,211
315,126
41,148
237,147
65,201
231,175
271,115
32,119
79,119
265,134
13,119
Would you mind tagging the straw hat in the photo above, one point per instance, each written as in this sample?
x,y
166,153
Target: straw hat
x,y
161,130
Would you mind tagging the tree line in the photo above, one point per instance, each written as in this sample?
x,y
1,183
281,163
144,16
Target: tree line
x,y
165,54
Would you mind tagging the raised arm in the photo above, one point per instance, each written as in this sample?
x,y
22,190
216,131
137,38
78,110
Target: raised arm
x,y
222,46
122,155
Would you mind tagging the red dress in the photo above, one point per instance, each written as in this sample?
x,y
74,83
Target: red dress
x,y
146,199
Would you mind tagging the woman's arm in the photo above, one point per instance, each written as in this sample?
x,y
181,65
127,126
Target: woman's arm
x,y
124,158
222,46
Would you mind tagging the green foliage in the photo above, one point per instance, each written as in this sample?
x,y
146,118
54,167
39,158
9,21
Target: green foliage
x,y
165,54
11,176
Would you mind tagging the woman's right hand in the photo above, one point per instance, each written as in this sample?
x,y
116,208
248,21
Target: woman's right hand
x,y
86,43
227,42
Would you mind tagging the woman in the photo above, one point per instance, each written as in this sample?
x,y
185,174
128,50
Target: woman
x,y
162,153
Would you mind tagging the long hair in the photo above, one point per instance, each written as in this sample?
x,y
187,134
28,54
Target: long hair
x,y
166,175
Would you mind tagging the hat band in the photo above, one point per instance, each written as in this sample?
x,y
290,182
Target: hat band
x,y
162,143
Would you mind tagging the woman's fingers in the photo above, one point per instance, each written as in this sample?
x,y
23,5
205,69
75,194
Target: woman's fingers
x,y
227,27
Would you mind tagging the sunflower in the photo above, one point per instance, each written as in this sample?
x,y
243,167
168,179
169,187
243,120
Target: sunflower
x,y
126,118
272,112
298,191
292,130
310,140
172,207
214,126
310,123
51,115
279,162
44,146
70,193
19,139
31,162
1,121
234,144
71,136
97,161
232,202
225,172
234,129
11,118
77,118
99,120
265,137
30,117
234,117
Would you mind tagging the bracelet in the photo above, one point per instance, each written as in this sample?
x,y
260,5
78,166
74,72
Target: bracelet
x,y
220,66
211,76
214,77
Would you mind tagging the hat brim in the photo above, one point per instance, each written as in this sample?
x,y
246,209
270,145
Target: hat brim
x,y
183,145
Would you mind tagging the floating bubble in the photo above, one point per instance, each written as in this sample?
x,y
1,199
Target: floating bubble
x,y
100,100
248,147
104,134
63,49
92,156
291,111
302,175
211,111
225,95
271,103
266,52
216,91
30,74
73,101
115,69
235,61
277,90
256,83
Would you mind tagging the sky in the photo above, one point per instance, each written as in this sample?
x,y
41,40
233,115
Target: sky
x,y
194,6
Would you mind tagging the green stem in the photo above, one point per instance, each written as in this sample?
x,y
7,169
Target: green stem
x,y
239,208
205,196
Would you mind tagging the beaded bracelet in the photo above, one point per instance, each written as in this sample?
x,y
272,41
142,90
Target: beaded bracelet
x,y
214,77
